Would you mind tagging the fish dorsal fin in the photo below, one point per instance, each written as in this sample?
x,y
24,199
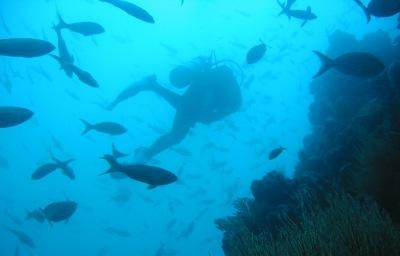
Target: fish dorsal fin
x,y
308,9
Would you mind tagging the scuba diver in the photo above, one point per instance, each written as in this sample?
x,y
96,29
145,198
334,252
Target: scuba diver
x,y
212,94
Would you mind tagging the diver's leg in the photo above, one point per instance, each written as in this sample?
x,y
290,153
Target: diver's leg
x,y
180,129
174,99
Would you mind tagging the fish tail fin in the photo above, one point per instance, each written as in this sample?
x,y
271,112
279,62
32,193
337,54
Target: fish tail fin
x,y
365,9
88,127
326,63
112,162
283,7
116,153
62,163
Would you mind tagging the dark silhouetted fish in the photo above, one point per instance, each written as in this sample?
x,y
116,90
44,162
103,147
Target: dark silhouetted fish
x,y
118,232
25,47
84,76
256,53
60,211
48,168
65,59
116,153
131,9
380,8
306,15
151,175
358,64
110,128
83,28
275,153
12,116
36,215
22,237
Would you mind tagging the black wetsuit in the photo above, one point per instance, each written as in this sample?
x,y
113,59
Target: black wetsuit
x,y
213,95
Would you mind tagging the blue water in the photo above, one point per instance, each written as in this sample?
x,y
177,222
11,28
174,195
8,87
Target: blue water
x,y
274,112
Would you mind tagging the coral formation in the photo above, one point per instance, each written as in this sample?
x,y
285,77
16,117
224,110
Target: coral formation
x,y
344,198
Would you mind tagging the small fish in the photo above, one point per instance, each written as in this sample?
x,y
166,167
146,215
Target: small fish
x,y
119,232
25,47
187,231
256,53
4,163
110,128
48,168
275,153
380,8
83,28
84,76
12,116
6,80
22,237
358,64
65,59
151,175
306,15
131,9
13,218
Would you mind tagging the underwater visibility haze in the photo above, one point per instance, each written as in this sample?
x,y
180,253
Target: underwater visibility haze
x,y
199,127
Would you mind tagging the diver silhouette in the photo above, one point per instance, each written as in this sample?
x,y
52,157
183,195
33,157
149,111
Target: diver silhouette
x,y
212,94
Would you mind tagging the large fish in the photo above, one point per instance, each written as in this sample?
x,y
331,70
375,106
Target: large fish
x,y
358,64
151,175
110,128
25,47
59,211
83,28
380,8
12,116
132,10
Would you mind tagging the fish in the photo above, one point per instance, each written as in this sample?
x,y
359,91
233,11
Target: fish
x,y
151,175
110,128
276,152
22,237
48,168
13,218
358,64
60,211
6,82
36,215
13,116
123,196
132,10
118,232
256,53
306,15
25,47
116,153
84,76
40,70
4,163
380,8
84,28
187,231
65,59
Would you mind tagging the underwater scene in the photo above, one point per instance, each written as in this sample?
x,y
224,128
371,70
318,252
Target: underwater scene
x,y
200,127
